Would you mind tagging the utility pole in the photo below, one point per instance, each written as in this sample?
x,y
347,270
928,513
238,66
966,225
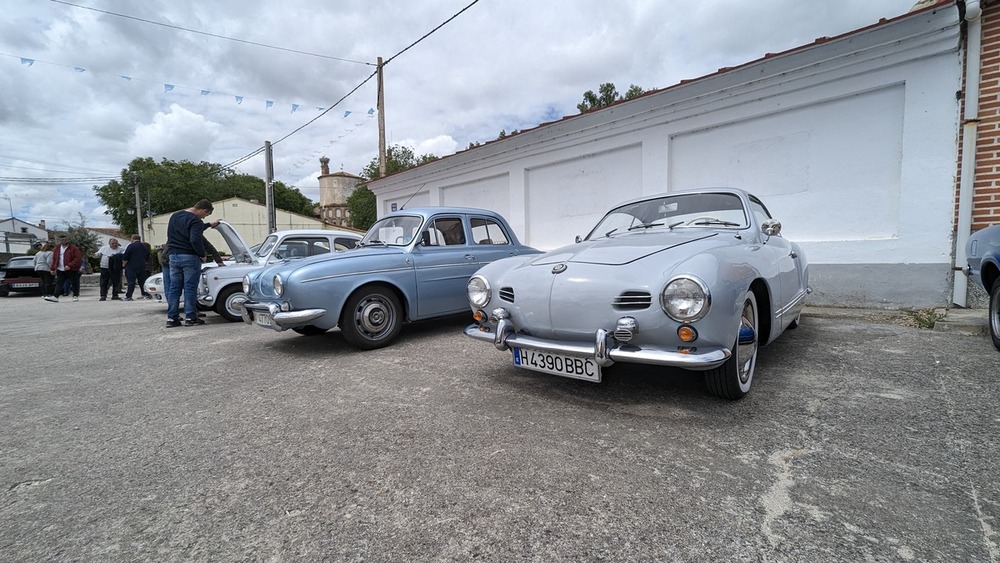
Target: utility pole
x,y
381,122
272,218
138,208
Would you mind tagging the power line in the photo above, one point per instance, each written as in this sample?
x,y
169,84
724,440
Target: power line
x,y
215,35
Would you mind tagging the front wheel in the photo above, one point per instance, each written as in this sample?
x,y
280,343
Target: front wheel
x,y
995,314
733,379
372,318
229,298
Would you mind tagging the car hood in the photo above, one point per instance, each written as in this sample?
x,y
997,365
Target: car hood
x,y
238,246
617,251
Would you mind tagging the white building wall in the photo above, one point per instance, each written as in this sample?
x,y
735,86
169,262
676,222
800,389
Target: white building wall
x,y
850,142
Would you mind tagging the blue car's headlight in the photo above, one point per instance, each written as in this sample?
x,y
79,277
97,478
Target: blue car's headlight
x,y
278,284
685,299
246,284
478,291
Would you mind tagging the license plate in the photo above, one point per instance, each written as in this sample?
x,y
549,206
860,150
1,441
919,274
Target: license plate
x,y
566,366
20,285
263,319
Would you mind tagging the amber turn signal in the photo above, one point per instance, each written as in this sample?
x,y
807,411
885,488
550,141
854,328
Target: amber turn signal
x,y
479,316
687,333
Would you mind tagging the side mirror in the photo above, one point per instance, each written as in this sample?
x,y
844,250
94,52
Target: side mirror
x,y
425,238
578,238
771,228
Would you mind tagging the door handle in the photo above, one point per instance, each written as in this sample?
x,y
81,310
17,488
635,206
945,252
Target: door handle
x,y
793,254
470,257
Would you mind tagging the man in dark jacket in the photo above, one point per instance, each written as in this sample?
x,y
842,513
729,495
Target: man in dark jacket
x,y
134,257
186,246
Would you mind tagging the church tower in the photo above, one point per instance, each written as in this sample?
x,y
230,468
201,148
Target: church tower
x,y
334,189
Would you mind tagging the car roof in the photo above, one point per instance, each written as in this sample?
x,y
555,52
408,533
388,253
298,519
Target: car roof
x,y
317,232
428,211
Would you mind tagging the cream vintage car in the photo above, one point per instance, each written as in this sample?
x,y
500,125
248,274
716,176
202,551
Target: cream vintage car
x,y
696,280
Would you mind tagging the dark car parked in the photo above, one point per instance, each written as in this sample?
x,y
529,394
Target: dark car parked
x,y
983,256
19,275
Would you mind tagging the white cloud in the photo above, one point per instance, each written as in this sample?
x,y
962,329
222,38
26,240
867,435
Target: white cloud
x,y
177,135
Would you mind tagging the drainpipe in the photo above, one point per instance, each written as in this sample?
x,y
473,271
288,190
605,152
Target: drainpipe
x,y
970,132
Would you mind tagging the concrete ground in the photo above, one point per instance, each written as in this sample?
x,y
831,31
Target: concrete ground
x,y
865,438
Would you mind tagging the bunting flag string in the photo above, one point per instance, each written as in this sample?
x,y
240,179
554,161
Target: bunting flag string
x,y
169,87
312,158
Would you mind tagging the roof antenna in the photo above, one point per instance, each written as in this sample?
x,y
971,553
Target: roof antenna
x,y
411,196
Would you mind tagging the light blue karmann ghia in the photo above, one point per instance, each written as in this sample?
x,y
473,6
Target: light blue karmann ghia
x,y
695,280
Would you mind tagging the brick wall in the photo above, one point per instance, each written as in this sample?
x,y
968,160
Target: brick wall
x,y
986,197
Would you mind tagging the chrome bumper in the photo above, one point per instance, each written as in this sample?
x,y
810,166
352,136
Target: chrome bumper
x,y
280,320
605,350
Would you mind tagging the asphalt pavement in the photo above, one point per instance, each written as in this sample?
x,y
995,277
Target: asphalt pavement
x,y
865,438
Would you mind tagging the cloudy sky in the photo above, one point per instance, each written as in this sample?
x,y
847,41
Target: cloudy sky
x,y
89,85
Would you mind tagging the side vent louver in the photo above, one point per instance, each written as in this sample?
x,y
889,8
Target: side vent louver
x,y
507,294
632,301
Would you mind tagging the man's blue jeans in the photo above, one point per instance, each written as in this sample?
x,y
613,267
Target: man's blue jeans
x,y
185,272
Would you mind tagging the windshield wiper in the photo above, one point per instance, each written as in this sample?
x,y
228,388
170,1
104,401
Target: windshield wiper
x,y
375,241
717,222
645,226
608,234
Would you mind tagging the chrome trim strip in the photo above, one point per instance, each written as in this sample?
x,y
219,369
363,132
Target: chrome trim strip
x,y
798,299
367,272
706,360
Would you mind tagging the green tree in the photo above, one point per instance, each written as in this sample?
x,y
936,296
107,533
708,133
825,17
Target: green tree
x,y
361,204
607,95
168,185
397,159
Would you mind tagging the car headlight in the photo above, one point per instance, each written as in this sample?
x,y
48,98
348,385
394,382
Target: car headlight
x,y
278,284
478,291
246,284
685,299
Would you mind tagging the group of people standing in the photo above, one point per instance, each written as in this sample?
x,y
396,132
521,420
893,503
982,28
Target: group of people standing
x,y
181,259
60,267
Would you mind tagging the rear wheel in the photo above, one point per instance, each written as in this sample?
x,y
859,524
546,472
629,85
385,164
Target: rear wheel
x,y
995,314
733,379
4,292
227,301
309,330
372,317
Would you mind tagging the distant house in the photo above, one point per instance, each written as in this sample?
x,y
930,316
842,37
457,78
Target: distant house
x,y
104,236
18,237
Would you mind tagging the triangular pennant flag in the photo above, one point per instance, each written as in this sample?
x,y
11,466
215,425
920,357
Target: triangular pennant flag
x,y
239,99
295,107
371,111
205,92
167,88
78,69
268,104
346,113
28,62
319,108
129,78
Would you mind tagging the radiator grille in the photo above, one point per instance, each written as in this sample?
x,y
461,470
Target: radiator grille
x,y
632,301
507,294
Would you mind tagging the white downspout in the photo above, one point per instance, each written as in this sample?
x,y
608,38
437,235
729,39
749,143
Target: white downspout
x,y
970,132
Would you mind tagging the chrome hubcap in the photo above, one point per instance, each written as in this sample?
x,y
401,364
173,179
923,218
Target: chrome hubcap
x,y
746,352
374,316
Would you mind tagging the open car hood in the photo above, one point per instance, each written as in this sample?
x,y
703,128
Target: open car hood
x,y
238,246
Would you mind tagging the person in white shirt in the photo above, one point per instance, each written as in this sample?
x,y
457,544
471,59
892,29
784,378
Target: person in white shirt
x,y
110,275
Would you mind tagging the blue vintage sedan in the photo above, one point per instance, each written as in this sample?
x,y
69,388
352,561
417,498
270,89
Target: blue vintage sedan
x,y
695,280
982,253
411,265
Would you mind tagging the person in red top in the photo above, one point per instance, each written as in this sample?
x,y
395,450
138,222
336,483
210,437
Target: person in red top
x,y
66,262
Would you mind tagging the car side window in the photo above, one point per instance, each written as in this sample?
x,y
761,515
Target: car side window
x,y
487,231
341,244
299,247
446,231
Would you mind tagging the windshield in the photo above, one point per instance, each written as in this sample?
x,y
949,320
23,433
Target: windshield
x,y
20,263
398,230
680,211
265,247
